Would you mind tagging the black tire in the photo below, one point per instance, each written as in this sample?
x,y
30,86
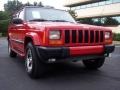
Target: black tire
x,y
94,64
11,52
37,69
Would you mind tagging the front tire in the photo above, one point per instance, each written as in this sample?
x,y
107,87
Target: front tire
x,y
94,64
11,52
34,67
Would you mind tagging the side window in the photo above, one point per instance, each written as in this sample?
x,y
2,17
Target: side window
x,y
21,15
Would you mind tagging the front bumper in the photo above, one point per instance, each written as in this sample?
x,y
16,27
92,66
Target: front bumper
x,y
82,52
109,48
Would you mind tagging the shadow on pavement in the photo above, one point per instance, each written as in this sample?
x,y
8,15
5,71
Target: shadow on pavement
x,y
63,70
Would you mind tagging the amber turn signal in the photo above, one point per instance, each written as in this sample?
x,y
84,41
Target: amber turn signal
x,y
108,41
55,42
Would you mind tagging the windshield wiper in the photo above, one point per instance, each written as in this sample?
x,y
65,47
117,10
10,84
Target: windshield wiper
x,y
41,20
61,21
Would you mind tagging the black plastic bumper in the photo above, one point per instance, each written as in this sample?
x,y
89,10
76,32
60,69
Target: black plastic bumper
x,y
59,53
109,48
52,52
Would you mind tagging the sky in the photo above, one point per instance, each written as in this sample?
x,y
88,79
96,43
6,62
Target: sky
x,y
55,3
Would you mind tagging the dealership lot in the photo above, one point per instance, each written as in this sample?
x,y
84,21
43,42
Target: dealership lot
x,y
64,76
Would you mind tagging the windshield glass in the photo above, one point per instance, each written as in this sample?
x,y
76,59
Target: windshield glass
x,y
34,14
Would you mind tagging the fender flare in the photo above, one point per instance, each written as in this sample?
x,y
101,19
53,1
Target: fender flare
x,y
34,36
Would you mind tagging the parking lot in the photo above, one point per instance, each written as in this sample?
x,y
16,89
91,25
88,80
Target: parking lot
x,y
63,76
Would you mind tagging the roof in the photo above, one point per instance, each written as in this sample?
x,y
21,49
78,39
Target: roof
x,y
47,7
44,7
72,3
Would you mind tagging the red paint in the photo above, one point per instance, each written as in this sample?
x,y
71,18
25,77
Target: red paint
x,y
38,32
86,50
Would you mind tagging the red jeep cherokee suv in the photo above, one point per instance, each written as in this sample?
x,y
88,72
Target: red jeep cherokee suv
x,y
46,35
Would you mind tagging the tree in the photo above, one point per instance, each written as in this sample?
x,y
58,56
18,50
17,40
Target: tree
x,y
73,13
35,3
13,6
98,21
27,4
4,26
110,21
40,4
86,21
4,15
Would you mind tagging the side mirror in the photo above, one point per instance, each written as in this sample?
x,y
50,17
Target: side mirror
x,y
17,21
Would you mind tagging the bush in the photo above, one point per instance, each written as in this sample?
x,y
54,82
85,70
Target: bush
x,y
116,36
4,15
4,27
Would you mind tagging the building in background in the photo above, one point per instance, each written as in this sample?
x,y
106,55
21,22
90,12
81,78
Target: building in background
x,y
98,11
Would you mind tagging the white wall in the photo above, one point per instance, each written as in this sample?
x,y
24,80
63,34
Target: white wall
x,y
112,9
115,29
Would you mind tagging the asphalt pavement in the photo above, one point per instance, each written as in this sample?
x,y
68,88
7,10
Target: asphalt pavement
x,y
63,76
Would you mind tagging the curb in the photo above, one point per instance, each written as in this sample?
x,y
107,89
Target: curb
x,y
116,43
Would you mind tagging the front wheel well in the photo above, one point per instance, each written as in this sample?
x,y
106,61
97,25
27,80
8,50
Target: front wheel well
x,y
27,40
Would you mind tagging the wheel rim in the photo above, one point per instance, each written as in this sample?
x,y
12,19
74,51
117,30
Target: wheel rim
x,y
29,61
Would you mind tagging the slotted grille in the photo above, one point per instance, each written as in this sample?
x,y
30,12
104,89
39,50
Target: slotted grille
x,y
84,36
80,36
67,36
92,36
74,36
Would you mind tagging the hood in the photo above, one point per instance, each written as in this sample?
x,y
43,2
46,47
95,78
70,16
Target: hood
x,y
63,25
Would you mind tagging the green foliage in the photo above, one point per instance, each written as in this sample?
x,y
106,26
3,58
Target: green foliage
x,y
34,4
10,8
100,21
4,15
27,4
4,26
86,21
110,21
116,36
40,4
13,6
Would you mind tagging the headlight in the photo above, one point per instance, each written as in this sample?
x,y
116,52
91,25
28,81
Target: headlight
x,y
55,34
107,35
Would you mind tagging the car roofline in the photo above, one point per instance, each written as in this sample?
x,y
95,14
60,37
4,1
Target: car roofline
x,y
44,7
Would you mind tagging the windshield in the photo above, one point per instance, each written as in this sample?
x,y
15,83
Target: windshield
x,y
45,14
